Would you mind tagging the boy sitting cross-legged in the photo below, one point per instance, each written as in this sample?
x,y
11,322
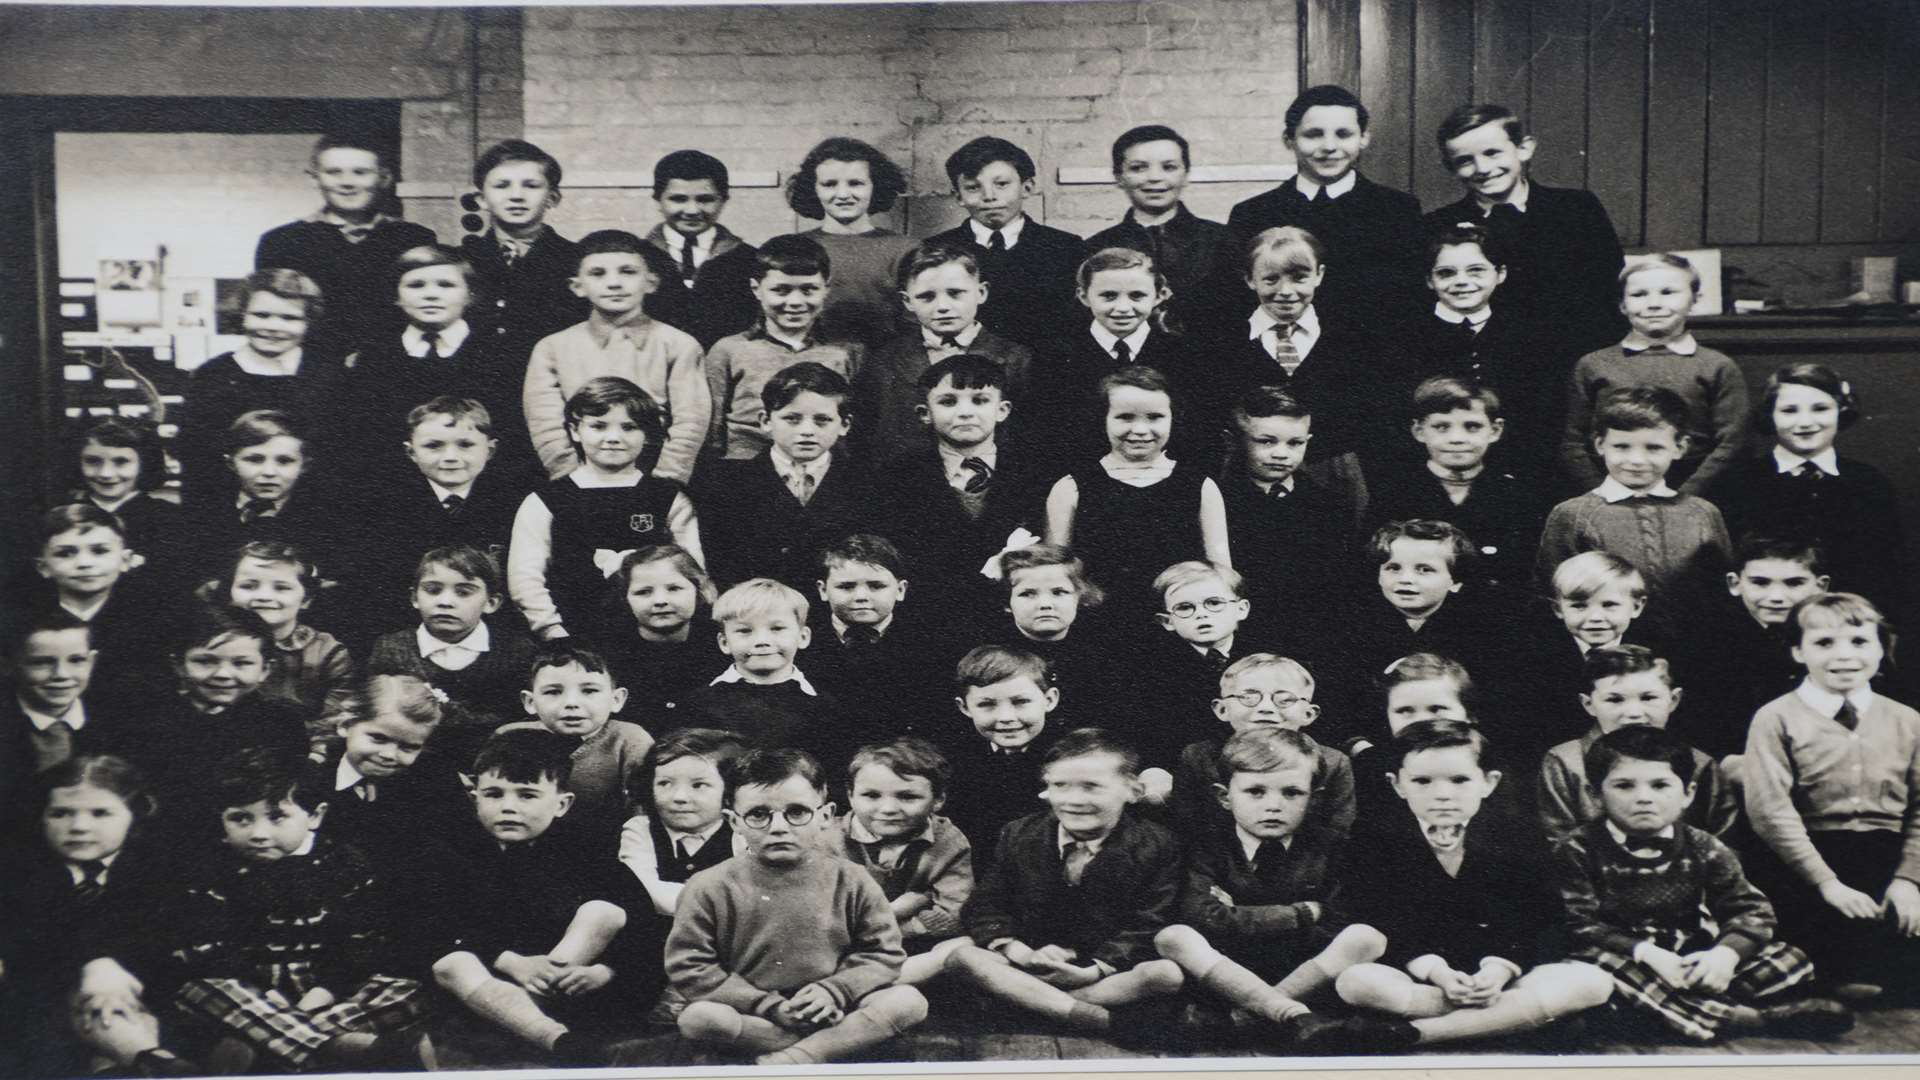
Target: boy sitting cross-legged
x,y
1665,908
787,951
1063,923
1260,900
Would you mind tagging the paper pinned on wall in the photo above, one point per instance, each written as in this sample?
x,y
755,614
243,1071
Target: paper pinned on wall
x,y
129,292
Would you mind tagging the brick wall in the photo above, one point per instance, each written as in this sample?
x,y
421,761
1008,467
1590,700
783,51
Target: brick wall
x,y
612,89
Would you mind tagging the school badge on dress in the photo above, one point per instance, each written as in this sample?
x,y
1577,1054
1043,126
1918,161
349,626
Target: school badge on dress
x,y
641,523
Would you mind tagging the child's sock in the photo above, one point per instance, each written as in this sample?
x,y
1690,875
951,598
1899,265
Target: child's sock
x,y
880,1017
1354,945
1249,991
1008,983
512,1008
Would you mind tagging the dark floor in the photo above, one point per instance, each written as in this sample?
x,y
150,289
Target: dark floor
x,y
945,1039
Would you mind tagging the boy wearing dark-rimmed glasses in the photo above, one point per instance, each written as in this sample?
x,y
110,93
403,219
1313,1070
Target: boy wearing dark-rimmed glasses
x,y
787,954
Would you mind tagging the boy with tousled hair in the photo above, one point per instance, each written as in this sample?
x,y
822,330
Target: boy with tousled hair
x,y
708,294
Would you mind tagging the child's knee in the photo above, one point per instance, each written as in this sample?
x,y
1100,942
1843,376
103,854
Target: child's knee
x,y
972,959
1181,944
710,1021
1360,943
1162,976
898,1007
458,971
1588,987
1363,984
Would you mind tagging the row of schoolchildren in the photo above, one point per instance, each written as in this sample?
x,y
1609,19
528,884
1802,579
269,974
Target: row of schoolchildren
x,y
304,941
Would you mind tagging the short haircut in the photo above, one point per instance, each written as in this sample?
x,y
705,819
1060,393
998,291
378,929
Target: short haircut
x,y
1638,742
712,745
1035,556
1326,94
259,426
1137,376
204,624
1424,667
78,515
1438,735
1147,133
1467,117
796,255
598,397
683,562
1287,243
289,285
979,153
107,772
1445,393
1460,549
906,757
807,376
1117,258
759,596
889,181
527,756
968,371
612,242
771,766
419,258
258,774
53,619
933,256
985,665
455,409
1263,661
1617,661
564,652
865,548
1460,235
1088,741
1262,401
510,150
1837,609
1656,261
1265,750
125,433
409,697
1643,408
271,551
1804,550
1581,576
1805,373
689,165
349,140
476,564
1186,573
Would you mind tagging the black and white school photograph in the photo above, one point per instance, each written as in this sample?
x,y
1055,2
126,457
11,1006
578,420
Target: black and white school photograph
x,y
994,534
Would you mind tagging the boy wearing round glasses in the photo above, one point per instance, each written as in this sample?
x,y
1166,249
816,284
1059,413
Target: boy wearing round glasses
x,y
788,954
1260,691
1201,607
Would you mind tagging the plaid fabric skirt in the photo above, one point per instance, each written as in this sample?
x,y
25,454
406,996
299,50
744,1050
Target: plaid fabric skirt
x,y
1700,1016
267,1021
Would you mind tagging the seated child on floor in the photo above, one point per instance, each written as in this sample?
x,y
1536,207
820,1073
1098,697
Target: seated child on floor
x,y
787,952
1666,909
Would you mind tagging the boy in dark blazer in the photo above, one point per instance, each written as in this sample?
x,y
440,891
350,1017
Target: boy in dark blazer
x,y
1028,266
868,653
1371,232
1151,164
708,294
521,263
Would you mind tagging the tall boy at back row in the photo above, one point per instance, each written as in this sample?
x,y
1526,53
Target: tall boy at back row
x,y
1029,266
1559,247
524,267
615,276
1151,164
708,294
347,246
1371,232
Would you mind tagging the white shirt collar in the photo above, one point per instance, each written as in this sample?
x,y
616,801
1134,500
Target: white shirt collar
x,y
1613,491
1827,461
1477,318
1285,485
86,614
733,674
1309,187
702,244
1135,341
785,466
1010,232
440,493
696,840
287,363
75,716
478,640
1517,200
414,340
345,775
1684,345
1062,838
1306,329
1222,648
106,868
840,627
988,452
1827,703
963,339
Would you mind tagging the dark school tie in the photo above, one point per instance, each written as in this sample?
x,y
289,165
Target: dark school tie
x,y
951,341
996,242
1505,214
1467,331
687,269
1809,473
1122,353
862,636
1278,492
432,338
89,887
1848,717
1074,861
454,505
365,791
680,851
255,510
982,477
1156,235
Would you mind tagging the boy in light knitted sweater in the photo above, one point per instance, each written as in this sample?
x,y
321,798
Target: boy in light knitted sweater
x,y
1832,784
787,952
